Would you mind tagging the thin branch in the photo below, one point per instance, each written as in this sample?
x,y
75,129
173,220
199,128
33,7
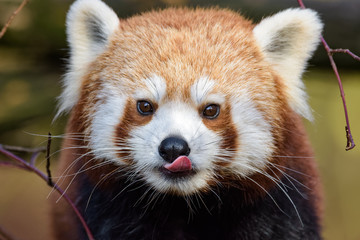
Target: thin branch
x,y
350,144
23,149
33,158
350,141
347,51
301,4
11,18
32,168
50,182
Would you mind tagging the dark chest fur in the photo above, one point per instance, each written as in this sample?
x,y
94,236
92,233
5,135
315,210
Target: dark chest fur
x,y
129,214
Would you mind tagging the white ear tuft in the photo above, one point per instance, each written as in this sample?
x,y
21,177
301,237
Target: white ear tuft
x,y
90,23
287,40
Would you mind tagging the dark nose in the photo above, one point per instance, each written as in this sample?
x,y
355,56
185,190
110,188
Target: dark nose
x,y
173,147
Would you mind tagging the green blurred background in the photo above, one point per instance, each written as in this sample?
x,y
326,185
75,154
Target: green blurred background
x,y
32,62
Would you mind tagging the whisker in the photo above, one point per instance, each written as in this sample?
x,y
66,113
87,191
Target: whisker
x,y
289,178
293,170
307,157
267,193
107,176
276,181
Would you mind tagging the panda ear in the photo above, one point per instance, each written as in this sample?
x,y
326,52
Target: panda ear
x,y
90,24
287,40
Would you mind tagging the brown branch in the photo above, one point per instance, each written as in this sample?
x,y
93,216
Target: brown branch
x,y
29,167
350,144
50,182
347,51
33,158
23,149
11,18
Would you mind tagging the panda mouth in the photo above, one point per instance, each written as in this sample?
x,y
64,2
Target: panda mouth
x,y
181,167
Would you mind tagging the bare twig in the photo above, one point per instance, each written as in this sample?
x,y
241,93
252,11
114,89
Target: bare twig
x,y
27,166
23,149
350,144
11,18
33,158
347,51
301,4
50,183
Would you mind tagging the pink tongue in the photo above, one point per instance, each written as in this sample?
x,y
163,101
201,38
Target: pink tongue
x,y
181,164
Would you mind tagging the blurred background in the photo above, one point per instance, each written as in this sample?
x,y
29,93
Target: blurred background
x,y
33,58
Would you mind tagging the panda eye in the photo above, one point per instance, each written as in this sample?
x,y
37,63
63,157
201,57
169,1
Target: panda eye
x,y
145,107
211,111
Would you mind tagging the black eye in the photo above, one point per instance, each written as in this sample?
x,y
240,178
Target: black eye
x,y
145,107
211,111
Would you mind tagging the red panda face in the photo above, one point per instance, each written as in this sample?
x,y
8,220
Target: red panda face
x,y
207,111
184,98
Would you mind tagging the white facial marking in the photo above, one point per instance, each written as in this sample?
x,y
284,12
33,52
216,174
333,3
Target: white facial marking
x,y
256,143
156,89
107,116
201,92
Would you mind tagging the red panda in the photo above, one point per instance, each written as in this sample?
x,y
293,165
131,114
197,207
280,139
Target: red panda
x,y
187,124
